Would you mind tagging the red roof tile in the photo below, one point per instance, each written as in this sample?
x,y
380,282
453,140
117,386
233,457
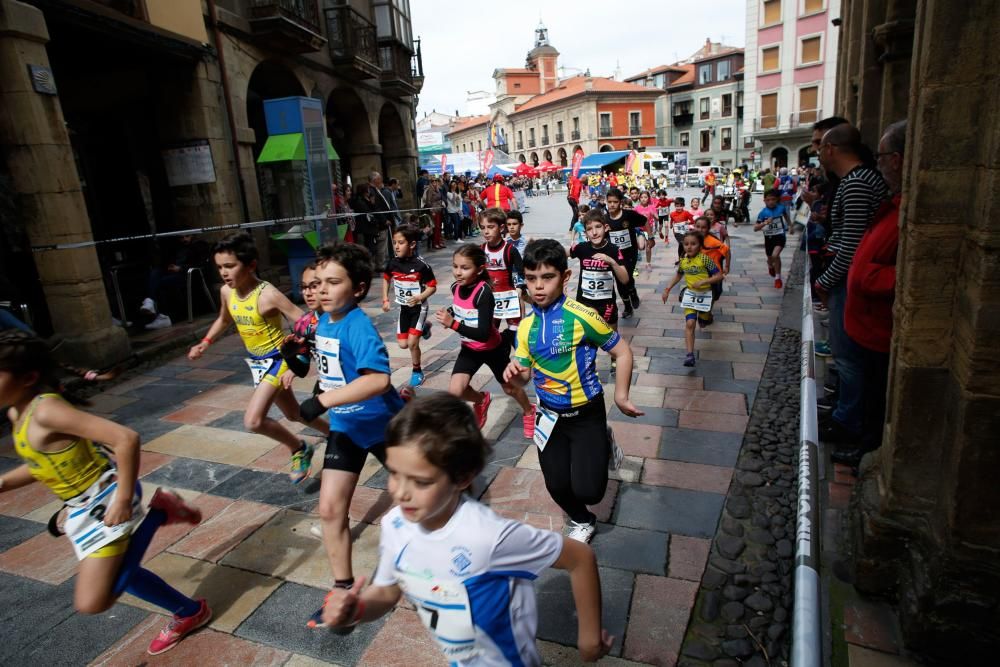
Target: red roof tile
x,y
577,86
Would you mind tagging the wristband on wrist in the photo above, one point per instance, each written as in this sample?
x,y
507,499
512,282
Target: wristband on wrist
x,y
206,340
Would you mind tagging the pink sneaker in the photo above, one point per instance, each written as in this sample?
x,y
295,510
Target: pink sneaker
x,y
178,628
482,408
529,423
173,505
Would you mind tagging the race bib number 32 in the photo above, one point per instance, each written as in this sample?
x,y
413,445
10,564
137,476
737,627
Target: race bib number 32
x,y
596,285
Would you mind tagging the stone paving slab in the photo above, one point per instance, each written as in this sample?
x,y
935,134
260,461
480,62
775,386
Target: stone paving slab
x,y
557,614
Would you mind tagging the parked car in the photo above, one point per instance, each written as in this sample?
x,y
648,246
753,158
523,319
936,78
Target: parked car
x,y
696,175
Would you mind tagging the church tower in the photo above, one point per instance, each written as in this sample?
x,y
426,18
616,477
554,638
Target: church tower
x,y
544,59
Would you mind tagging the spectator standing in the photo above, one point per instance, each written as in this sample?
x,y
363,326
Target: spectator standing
x,y
433,202
859,195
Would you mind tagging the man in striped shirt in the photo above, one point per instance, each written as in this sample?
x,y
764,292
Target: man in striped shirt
x,y
859,195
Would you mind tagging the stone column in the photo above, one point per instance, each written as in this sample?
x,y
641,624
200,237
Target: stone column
x,y
869,72
40,160
928,530
894,43
402,165
365,158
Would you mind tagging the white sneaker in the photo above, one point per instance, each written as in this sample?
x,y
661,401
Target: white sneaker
x,y
148,306
316,530
617,455
161,322
582,532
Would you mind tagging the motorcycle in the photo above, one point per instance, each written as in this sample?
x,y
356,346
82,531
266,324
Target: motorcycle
x,y
736,202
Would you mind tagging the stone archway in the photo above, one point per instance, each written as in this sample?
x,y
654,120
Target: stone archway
x,y
804,156
606,148
398,159
547,156
779,157
350,131
562,157
576,148
534,159
522,158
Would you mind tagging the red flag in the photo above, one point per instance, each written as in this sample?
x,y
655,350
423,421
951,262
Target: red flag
x,y
487,161
630,161
577,161
444,162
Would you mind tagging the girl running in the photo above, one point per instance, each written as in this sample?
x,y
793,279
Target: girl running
x,y
647,209
471,315
699,273
439,545
98,485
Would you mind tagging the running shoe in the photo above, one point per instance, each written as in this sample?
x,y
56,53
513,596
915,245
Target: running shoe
x,y
689,359
482,408
161,321
627,313
316,530
148,306
174,507
617,455
778,284
528,420
427,331
416,378
178,628
770,271
635,300
582,532
635,272
301,462
822,349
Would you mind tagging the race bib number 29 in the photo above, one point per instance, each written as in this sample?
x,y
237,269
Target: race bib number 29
x,y
328,368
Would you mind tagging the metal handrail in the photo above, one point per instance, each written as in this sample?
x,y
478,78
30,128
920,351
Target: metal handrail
x,y
806,633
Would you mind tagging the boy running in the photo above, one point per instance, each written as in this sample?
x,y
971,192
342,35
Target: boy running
x,y
503,264
719,253
624,228
680,218
412,282
256,308
699,274
773,219
558,341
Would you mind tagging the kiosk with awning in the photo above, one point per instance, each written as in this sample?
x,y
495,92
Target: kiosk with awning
x,y
603,161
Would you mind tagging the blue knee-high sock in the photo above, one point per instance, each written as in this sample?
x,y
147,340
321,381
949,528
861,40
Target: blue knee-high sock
x,y
147,586
138,543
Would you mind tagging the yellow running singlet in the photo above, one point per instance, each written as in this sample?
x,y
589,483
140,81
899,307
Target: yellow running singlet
x,y
261,335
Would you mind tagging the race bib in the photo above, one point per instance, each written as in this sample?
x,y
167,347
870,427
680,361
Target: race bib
x,y
405,290
680,228
84,524
331,375
596,285
663,212
621,238
695,300
467,316
259,368
506,305
545,421
443,608
774,227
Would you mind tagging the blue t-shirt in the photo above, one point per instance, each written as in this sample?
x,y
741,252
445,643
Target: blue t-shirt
x,y
767,214
581,233
343,349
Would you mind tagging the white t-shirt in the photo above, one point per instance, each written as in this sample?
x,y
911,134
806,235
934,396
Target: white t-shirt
x,y
471,581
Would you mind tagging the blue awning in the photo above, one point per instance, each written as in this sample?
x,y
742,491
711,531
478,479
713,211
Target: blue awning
x,y
595,161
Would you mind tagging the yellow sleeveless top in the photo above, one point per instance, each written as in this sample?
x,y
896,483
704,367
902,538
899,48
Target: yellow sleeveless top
x,y
261,335
68,472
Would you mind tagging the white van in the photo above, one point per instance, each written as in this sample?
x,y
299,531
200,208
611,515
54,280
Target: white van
x,y
696,175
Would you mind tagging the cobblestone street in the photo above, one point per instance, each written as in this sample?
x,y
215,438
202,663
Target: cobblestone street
x,y
255,561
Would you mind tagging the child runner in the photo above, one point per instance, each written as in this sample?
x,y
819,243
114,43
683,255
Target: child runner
x,y
503,262
647,209
515,225
413,283
719,253
471,315
663,204
694,208
257,308
299,347
559,342
357,395
440,544
601,265
105,522
699,273
624,226
578,233
773,220
680,218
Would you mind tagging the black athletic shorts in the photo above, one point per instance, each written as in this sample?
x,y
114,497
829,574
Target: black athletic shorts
x,y
772,242
608,310
412,320
469,361
343,454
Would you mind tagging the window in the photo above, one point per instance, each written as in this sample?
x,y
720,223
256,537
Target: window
x,y
770,59
480,145
634,123
727,105
723,70
545,134
727,138
520,139
703,111
772,12
812,6
768,111
810,50
685,139
516,86
704,74
682,108
605,125
659,80
808,105
576,124
705,143
559,127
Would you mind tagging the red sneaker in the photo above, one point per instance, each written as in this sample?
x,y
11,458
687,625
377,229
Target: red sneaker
x,y
482,408
176,509
778,284
178,628
529,423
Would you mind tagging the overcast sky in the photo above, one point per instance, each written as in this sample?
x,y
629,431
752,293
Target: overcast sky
x,y
464,42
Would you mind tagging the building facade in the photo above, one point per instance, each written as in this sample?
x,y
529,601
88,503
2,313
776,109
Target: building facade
x,y
790,75
538,117
100,94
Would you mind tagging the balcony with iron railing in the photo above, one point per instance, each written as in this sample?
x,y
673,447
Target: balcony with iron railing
x,y
520,145
605,132
395,60
804,117
574,135
545,140
531,143
353,50
634,130
286,25
766,124
560,137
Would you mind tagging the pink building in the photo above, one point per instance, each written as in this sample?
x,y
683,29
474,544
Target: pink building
x,y
790,71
